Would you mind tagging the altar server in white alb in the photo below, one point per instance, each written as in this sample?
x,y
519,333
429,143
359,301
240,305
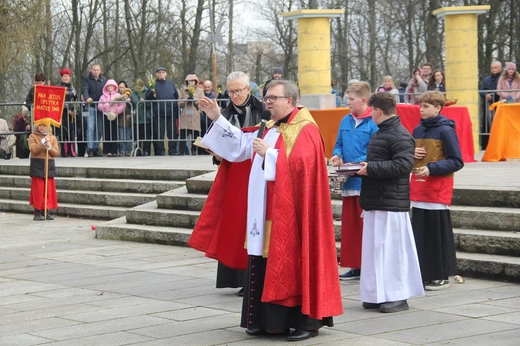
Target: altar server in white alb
x,y
391,272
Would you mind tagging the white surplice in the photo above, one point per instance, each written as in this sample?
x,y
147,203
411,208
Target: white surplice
x,y
233,145
389,264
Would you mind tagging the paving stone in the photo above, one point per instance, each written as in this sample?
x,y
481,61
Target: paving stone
x,y
511,317
476,310
506,338
386,323
448,331
188,327
190,313
21,339
109,339
81,330
33,326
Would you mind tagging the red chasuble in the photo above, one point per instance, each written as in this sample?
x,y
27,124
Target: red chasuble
x,y
221,229
302,264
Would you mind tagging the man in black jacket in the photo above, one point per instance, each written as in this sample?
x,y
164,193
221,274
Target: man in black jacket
x,y
391,272
164,113
91,90
488,98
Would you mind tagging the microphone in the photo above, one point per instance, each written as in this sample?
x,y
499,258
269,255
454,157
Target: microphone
x,y
266,115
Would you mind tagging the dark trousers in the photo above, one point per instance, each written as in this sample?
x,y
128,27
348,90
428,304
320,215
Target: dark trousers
x,y
109,135
161,126
185,144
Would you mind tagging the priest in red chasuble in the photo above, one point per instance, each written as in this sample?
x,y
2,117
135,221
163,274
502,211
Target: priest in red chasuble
x,y
292,268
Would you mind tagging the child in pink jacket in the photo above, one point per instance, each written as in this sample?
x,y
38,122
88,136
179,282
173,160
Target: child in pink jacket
x,y
111,104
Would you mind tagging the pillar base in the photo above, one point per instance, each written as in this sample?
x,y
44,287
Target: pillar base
x,y
318,101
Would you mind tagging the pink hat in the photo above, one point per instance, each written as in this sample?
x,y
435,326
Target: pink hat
x,y
510,65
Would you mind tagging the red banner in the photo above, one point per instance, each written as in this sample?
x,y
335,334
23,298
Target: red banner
x,y
48,105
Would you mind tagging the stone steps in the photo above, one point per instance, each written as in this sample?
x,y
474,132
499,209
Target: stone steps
x,y
489,266
114,172
150,214
100,212
93,192
119,229
115,199
486,198
163,205
98,184
488,242
485,266
487,218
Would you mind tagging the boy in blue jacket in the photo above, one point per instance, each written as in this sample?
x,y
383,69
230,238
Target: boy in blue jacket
x,y
354,133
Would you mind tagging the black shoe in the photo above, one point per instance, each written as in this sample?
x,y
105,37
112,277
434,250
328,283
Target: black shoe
x,y
146,154
38,215
97,153
255,332
90,153
241,292
352,274
371,305
49,217
299,335
399,305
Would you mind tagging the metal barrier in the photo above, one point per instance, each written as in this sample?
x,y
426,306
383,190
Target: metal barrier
x,y
86,130
150,127
170,127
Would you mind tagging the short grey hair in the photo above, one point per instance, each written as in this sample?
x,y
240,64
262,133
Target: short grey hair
x,y
496,62
238,75
289,89
352,81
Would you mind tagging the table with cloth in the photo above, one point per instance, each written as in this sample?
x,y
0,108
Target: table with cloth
x,y
504,137
328,121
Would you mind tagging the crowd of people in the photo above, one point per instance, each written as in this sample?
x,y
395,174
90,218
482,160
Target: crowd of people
x,y
138,119
107,118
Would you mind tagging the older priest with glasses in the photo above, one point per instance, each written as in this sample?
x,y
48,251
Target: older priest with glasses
x,y
292,269
221,235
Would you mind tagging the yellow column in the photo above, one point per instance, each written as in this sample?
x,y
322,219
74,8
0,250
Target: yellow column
x,y
462,58
314,49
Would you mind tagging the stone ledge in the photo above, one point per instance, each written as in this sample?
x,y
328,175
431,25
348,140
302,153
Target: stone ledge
x,y
492,267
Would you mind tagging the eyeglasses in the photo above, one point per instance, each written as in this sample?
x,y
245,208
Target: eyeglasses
x,y
237,92
274,98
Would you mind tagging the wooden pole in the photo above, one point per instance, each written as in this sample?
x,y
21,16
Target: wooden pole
x,y
46,174
213,50
46,183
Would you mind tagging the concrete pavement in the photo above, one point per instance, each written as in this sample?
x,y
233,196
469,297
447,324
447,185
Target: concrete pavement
x,y
60,286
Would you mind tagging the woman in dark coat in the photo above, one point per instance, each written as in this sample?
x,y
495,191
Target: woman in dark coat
x,y
68,126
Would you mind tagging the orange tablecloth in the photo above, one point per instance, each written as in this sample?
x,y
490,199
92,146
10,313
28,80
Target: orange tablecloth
x,y
328,121
504,138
